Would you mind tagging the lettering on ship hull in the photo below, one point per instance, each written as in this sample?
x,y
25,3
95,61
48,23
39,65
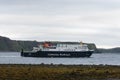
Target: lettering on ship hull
x,y
59,55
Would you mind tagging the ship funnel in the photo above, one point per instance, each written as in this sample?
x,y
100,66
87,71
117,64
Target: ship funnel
x,y
81,43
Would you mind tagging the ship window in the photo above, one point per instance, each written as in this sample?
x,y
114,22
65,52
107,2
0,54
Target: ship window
x,y
52,47
75,47
58,45
66,45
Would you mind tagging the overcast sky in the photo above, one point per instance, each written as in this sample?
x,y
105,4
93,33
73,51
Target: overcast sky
x,y
90,21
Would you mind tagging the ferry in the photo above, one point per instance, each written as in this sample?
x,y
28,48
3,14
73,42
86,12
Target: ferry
x,y
59,49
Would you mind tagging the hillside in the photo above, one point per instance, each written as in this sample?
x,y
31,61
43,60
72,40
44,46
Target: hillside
x,y
7,44
112,50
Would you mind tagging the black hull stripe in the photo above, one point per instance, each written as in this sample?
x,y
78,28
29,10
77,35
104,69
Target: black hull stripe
x,y
57,54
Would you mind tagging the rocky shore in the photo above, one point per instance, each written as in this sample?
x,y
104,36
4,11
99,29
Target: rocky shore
x,y
59,72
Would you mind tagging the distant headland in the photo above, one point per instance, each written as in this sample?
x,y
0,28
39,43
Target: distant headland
x,y
6,44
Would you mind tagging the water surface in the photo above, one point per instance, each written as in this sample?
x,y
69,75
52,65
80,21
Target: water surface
x,y
96,59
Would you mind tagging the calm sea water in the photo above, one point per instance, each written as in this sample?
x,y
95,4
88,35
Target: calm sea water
x,y
96,59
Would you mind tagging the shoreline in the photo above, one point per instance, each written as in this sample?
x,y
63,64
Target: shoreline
x,y
59,72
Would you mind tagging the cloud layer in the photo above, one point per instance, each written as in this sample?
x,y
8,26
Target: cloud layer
x,y
63,20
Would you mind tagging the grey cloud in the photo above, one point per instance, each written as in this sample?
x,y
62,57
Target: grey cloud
x,y
94,21
54,7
